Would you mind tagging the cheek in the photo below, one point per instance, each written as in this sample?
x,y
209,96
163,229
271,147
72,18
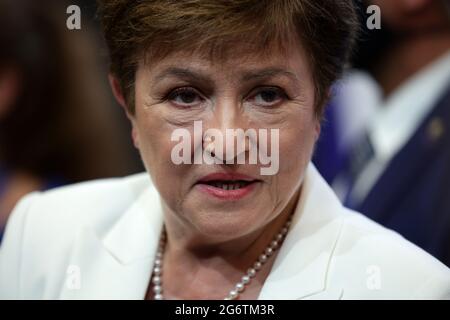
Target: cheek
x,y
296,146
155,147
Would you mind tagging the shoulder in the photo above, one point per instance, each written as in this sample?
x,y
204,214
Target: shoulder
x,y
97,203
382,263
44,225
360,258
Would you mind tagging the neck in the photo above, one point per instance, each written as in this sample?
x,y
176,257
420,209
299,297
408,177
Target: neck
x,y
203,266
409,55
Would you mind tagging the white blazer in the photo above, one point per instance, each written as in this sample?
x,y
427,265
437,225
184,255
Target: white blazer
x,y
97,240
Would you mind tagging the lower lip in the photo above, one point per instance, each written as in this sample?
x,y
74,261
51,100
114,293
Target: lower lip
x,y
227,194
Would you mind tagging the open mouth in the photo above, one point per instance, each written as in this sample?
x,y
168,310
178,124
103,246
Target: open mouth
x,y
229,185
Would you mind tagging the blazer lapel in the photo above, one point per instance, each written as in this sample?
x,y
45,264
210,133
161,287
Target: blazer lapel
x,y
118,266
300,269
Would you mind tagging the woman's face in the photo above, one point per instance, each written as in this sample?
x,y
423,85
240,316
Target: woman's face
x,y
246,91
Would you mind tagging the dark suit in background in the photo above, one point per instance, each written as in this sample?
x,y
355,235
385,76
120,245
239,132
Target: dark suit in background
x,y
412,196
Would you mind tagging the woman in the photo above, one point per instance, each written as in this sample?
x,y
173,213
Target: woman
x,y
215,225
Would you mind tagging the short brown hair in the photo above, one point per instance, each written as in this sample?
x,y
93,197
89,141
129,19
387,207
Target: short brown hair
x,y
133,28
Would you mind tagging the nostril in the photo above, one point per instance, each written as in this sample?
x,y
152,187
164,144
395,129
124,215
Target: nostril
x,y
209,146
210,150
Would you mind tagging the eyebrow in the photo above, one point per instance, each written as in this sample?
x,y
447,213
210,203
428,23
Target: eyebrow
x,y
250,75
267,73
182,73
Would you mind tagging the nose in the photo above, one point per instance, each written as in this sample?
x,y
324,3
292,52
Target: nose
x,y
224,138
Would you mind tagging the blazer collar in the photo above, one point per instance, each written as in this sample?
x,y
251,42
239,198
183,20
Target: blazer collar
x,y
300,269
118,265
136,234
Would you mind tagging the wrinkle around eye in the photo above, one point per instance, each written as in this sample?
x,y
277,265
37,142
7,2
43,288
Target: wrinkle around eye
x,y
282,113
178,92
175,117
280,95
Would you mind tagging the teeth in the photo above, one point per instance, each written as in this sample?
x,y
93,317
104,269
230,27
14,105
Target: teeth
x,y
228,186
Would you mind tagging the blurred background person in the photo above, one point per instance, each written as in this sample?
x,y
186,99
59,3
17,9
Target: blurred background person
x,y
389,124
57,124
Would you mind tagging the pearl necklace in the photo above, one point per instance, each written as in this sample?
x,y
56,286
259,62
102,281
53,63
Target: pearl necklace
x,y
241,285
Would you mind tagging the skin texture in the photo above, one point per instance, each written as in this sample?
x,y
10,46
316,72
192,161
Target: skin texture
x,y
212,242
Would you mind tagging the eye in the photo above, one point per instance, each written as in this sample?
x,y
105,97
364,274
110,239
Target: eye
x,y
268,96
185,97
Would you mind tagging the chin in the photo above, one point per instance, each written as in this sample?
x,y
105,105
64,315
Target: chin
x,y
224,225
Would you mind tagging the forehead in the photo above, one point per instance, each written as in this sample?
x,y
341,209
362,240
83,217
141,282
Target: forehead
x,y
232,58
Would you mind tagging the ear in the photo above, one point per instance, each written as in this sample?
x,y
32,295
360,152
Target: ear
x,y
117,91
134,135
317,129
119,95
120,98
